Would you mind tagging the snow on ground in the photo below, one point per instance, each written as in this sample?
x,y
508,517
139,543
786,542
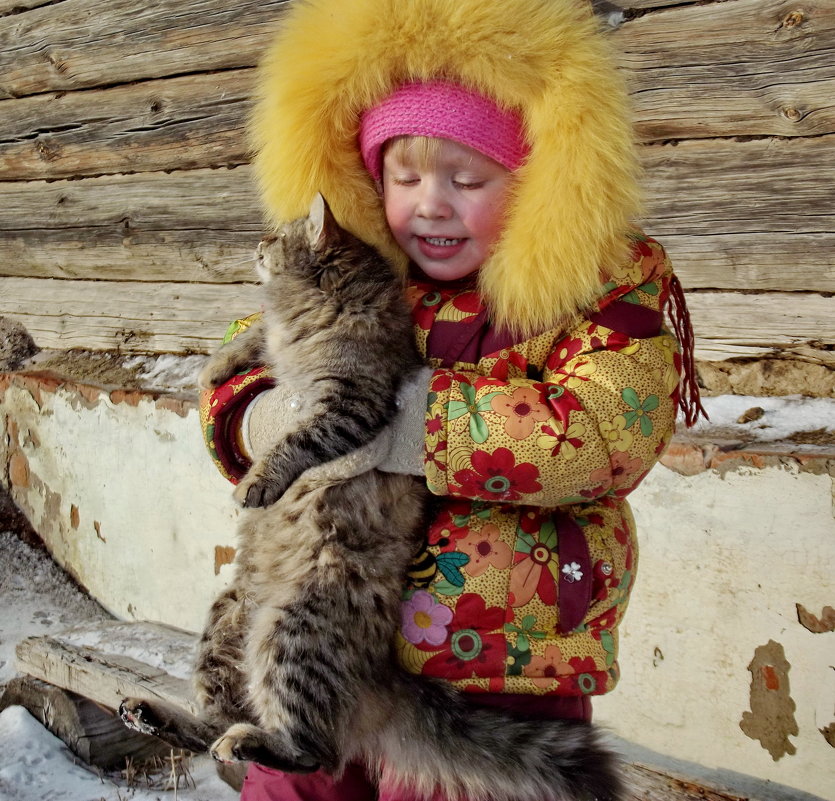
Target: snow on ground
x,y
36,597
782,417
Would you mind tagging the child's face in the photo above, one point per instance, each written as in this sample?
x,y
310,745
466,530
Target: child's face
x,y
447,214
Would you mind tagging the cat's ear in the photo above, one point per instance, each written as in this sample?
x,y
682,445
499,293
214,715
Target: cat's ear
x,y
321,225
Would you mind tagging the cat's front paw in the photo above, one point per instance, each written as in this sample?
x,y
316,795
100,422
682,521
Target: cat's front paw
x,y
244,742
139,716
256,490
215,372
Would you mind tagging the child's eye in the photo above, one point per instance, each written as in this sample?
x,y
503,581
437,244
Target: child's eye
x,y
404,180
468,184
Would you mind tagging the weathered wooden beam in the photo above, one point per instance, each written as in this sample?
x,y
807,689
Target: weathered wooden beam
x,y
166,124
735,215
750,67
731,187
187,200
93,733
89,43
16,6
99,671
189,318
128,316
762,262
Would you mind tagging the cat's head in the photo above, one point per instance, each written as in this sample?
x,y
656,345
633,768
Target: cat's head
x,y
305,247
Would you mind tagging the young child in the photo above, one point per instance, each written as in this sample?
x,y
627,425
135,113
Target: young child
x,y
486,150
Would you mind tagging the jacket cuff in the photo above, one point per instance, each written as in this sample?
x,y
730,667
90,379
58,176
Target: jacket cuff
x,y
221,413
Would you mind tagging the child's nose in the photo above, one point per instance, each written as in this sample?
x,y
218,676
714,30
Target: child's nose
x,y
433,203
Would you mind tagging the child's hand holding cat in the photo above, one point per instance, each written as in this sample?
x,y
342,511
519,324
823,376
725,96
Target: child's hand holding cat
x,y
398,449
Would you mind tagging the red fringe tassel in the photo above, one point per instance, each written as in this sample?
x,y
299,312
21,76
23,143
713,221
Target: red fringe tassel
x,y
689,399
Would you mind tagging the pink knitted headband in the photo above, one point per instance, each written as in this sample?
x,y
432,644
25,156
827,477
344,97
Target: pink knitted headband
x,y
445,111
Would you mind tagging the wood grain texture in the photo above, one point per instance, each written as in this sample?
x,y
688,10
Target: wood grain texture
x,y
730,187
734,215
167,124
126,316
103,677
88,43
741,68
17,6
189,318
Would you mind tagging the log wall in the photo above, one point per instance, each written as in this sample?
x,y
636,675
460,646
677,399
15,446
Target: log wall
x,y
127,213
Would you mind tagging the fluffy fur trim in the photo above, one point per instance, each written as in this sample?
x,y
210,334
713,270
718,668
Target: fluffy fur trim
x,y
577,192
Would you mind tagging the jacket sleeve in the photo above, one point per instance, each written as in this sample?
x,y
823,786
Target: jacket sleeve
x,y
222,410
593,426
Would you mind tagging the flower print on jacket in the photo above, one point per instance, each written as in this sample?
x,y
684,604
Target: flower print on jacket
x,y
424,620
474,408
485,548
523,410
560,440
477,647
546,670
536,562
496,477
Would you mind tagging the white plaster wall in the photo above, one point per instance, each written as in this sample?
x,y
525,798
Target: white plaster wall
x,y
723,562
143,475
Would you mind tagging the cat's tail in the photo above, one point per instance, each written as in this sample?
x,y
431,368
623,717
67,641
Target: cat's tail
x,y
435,741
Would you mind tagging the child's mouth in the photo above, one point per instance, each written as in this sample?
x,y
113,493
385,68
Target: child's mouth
x,y
441,241
440,247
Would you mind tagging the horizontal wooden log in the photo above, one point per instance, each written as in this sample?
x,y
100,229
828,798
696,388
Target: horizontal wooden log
x,y
190,200
176,123
16,6
734,215
763,262
730,187
748,67
88,43
751,67
189,318
99,675
94,734
124,315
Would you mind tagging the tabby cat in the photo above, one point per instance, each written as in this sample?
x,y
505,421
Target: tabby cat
x,y
296,667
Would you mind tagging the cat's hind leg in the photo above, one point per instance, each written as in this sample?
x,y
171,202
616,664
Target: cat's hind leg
x,y
244,742
167,722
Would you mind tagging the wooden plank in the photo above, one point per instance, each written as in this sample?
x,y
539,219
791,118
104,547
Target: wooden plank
x,y
177,123
93,733
17,6
208,255
88,43
735,215
189,200
779,322
730,187
127,316
184,318
776,262
749,67
101,677
648,784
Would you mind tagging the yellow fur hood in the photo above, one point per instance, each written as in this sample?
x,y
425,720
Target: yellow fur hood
x,y
577,191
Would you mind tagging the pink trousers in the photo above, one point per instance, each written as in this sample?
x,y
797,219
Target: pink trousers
x,y
265,784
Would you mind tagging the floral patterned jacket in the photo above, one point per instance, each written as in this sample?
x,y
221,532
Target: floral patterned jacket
x,y
531,448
